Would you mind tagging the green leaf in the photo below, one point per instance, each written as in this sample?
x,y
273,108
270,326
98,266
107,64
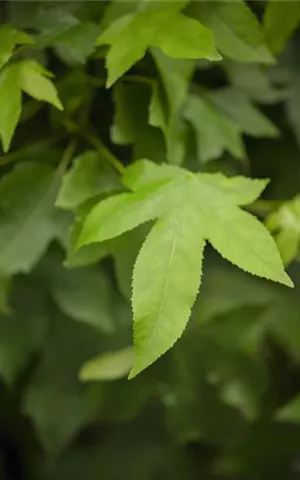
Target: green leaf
x,y
107,366
130,124
175,74
9,39
237,106
196,207
290,412
166,280
124,254
175,34
254,81
123,212
5,290
73,40
280,21
237,32
239,190
84,295
143,172
27,216
11,104
87,178
22,333
33,81
214,131
54,399
30,77
284,223
238,236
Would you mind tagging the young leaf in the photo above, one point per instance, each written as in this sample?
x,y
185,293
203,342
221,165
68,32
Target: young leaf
x,y
175,34
33,81
123,212
195,208
107,366
9,38
239,190
214,131
236,30
166,280
27,196
30,77
280,21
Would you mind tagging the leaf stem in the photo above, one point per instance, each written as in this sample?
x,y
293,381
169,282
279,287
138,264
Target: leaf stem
x,y
67,156
97,144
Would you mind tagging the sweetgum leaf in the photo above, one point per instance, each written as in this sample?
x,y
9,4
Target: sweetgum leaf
x,y
175,34
123,212
31,77
280,21
33,81
166,280
236,30
214,131
239,108
9,38
166,277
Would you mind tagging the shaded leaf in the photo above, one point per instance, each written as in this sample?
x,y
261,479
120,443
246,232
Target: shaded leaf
x,y
108,366
236,30
214,131
87,178
280,21
27,216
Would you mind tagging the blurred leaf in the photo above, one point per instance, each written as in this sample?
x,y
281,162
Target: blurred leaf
x,y
108,366
254,81
284,223
22,333
175,74
87,178
280,21
236,30
5,290
214,131
54,399
238,107
130,125
85,296
290,412
27,196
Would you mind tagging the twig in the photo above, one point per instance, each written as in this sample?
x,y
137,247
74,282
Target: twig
x,y
97,144
67,156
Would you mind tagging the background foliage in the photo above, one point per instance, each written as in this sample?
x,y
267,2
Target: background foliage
x,y
211,87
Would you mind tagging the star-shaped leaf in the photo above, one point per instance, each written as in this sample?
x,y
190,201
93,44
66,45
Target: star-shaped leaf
x,y
191,209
